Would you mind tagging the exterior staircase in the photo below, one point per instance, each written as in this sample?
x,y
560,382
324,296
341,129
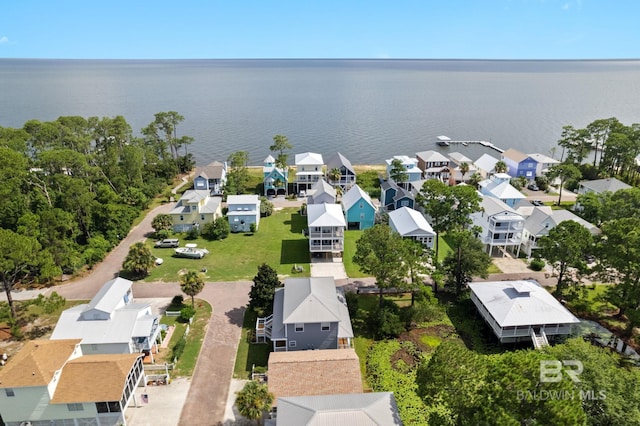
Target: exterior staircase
x,y
263,329
539,339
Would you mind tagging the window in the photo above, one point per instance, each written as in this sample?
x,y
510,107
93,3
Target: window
x,y
75,407
325,326
404,203
361,216
292,344
181,217
299,327
361,205
201,217
9,392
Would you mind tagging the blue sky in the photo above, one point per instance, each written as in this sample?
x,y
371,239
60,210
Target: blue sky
x,y
424,29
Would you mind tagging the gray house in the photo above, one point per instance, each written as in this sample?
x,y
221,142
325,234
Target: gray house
x,y
308,313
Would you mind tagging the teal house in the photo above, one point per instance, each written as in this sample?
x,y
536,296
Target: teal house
x,y
275,179
359,211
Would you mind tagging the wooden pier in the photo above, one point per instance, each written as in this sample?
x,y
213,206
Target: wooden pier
x,y
445,141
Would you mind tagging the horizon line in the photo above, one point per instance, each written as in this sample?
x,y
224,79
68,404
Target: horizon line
x,y
337,59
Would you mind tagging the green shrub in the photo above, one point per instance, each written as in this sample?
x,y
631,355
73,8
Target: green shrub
x,y
384,322
192,234
217,230
177,300
537,264
53,303
187,313
178,348
352,303
252,228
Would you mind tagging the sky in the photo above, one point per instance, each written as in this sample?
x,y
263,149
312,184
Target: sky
x,y
376,29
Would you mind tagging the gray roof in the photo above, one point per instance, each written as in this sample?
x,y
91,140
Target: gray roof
x,y
356,409
410,223
502,190
325,215
602,185
458,157
432,157
494,206
543,159
521,303
243,199
338,160
322,190
310,300
309,159
211,171
561,215
354,195
189,197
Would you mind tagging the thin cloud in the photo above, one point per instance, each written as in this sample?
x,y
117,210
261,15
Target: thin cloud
x,y
4,40
566,6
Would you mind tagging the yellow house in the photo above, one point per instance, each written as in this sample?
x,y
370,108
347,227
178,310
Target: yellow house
x,y
194,209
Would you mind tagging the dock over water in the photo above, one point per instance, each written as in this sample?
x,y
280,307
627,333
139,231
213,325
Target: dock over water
x,y
445,141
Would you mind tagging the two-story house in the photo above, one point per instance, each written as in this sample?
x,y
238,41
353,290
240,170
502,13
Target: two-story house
x,y
195,208
111,323
599,186
393,196
347,172
51,382
501,226
544,162
242,211
308,313
321,192
275,179
359,210
412,224
456,159
499,186
485,165
211,177
326,227
539,220
433,165
519,164
410,166
309,169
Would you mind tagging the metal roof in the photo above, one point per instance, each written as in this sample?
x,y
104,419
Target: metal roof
x,y
410,223
325,215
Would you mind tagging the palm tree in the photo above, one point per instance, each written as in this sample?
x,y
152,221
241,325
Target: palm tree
x,y
500,167
464,169
335,175
139,261
191,284
475,179
253,400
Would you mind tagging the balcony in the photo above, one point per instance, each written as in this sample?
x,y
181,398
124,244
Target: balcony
x,y
331,247
263,328
327,233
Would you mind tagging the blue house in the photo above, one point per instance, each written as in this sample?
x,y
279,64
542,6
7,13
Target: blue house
x,y
519,164
498,186
211,177
274,178
359,211
393,197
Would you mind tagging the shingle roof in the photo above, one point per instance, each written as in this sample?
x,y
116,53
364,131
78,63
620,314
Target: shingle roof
x,y
514,154
310,300
354,195
243,199
320,372
325,215
94,378
338,160
458,158
522,302
544,159
492,206
210,171
356,409
602,185
431,157
36,363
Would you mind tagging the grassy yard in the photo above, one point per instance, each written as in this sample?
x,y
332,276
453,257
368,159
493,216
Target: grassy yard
x,y
350,238
187,361
278,242
249,354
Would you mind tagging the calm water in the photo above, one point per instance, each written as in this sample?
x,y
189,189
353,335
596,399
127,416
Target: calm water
x,y
366,109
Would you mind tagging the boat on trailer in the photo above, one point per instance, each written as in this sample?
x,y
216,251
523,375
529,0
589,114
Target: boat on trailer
x,y
191,251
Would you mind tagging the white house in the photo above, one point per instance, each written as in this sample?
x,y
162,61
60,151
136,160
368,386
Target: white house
x,y
52,382
410,166
539,220
321,192
242,211
412,224
521,310
111,323
544,162
501,226
309,169
326,225
195,208
486,165
498,186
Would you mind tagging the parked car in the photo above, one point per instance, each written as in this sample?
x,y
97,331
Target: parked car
x,y
537,202
168,243
533,187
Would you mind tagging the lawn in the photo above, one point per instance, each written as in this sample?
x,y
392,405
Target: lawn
x,y
198,328
279,242
249,354
350,238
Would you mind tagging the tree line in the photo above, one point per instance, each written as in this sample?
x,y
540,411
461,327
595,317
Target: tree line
x,y
72,187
